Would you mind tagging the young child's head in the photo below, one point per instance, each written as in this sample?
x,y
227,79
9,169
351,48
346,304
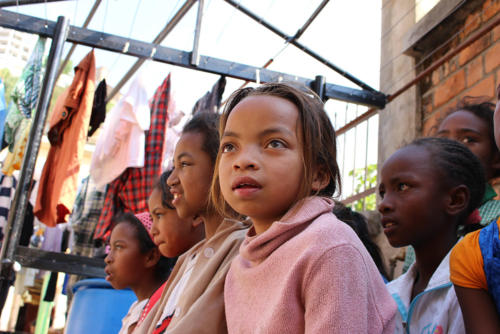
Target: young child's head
x,y
472,125
427,189
173,235
133,256
194,160
277,147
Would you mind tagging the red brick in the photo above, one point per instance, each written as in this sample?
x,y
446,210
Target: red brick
x,y
490,8
474,71
431,124
485,87
492,58
474,49
450,88
472,22
496,33
435,77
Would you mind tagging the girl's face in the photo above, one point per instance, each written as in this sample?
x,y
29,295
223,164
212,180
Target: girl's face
x,y
473,132
260,167
192,175
172,235
125,264
413,198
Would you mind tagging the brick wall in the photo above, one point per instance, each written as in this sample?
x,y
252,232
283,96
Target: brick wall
x,y
475,71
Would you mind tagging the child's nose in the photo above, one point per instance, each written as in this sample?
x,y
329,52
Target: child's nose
x,y
172,179
385,205
108,259
246,159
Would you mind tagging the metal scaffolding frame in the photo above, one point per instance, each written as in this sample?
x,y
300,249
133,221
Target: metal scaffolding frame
x,y
62,32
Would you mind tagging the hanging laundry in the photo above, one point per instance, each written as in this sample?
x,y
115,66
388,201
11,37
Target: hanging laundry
x,y
67,135
83,220
7,188
121,143
3,107
99,107
130,191
24,99
210,102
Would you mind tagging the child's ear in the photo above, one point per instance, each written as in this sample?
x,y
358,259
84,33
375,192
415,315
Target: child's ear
x,y
321,179
153,257
458,200
197,221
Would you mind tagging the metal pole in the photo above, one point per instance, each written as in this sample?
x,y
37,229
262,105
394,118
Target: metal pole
x,y
318,85
6,3
195,55
161,36
310,20
92,12
301,47
18,207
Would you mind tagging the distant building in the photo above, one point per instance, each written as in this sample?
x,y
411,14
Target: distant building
x,y
15,49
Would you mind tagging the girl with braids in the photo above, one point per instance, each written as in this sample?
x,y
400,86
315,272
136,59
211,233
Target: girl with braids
x,y
471,123
427,190
135,262
475,270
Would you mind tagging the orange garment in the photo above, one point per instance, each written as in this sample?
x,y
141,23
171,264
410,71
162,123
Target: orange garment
x,y
67,135
466,263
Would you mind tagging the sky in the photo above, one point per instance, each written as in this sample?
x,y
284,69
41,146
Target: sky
x,y
346,32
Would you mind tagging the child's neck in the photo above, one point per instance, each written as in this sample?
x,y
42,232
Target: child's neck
x,y
429,255
145,289
211,221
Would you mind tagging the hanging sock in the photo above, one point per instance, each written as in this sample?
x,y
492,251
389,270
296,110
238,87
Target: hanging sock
x,y
67,135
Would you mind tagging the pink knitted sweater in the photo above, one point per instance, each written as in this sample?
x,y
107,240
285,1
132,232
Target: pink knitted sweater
x,y
308,273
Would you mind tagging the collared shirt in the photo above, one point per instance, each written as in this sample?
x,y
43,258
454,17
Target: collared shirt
x,y
67,135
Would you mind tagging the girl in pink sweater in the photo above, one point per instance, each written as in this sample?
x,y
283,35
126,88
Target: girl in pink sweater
x,y
299,270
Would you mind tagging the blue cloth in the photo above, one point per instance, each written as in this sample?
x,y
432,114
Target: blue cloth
x,y
489,242
3,108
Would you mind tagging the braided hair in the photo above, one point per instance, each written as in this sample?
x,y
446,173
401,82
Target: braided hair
x,y
457,165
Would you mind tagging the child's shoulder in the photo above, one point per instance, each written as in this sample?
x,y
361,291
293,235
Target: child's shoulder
x,y
327,231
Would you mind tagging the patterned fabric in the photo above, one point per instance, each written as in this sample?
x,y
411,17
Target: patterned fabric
x,y
7,188
24,98
145,219
489,242
489,211
130,191
84,218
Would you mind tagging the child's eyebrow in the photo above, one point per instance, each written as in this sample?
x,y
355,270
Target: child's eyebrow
x,y
266,132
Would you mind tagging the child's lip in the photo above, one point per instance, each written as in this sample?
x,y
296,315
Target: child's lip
x,y
246,180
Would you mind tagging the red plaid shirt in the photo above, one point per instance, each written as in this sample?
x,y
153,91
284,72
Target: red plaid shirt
x,y
130,191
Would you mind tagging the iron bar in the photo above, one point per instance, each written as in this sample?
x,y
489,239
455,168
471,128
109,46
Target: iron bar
x,y
7,3
310,20
92,12
180,58
302,47
60,262
158,39
195,54
18,206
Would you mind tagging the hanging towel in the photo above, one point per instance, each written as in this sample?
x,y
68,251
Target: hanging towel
x,y
130,191
67,136
122,140
22,107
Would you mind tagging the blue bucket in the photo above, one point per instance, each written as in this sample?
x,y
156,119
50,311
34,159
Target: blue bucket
x,y
97,307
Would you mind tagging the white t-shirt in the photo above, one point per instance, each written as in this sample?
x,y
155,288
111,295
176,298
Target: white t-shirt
x,y
133,315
